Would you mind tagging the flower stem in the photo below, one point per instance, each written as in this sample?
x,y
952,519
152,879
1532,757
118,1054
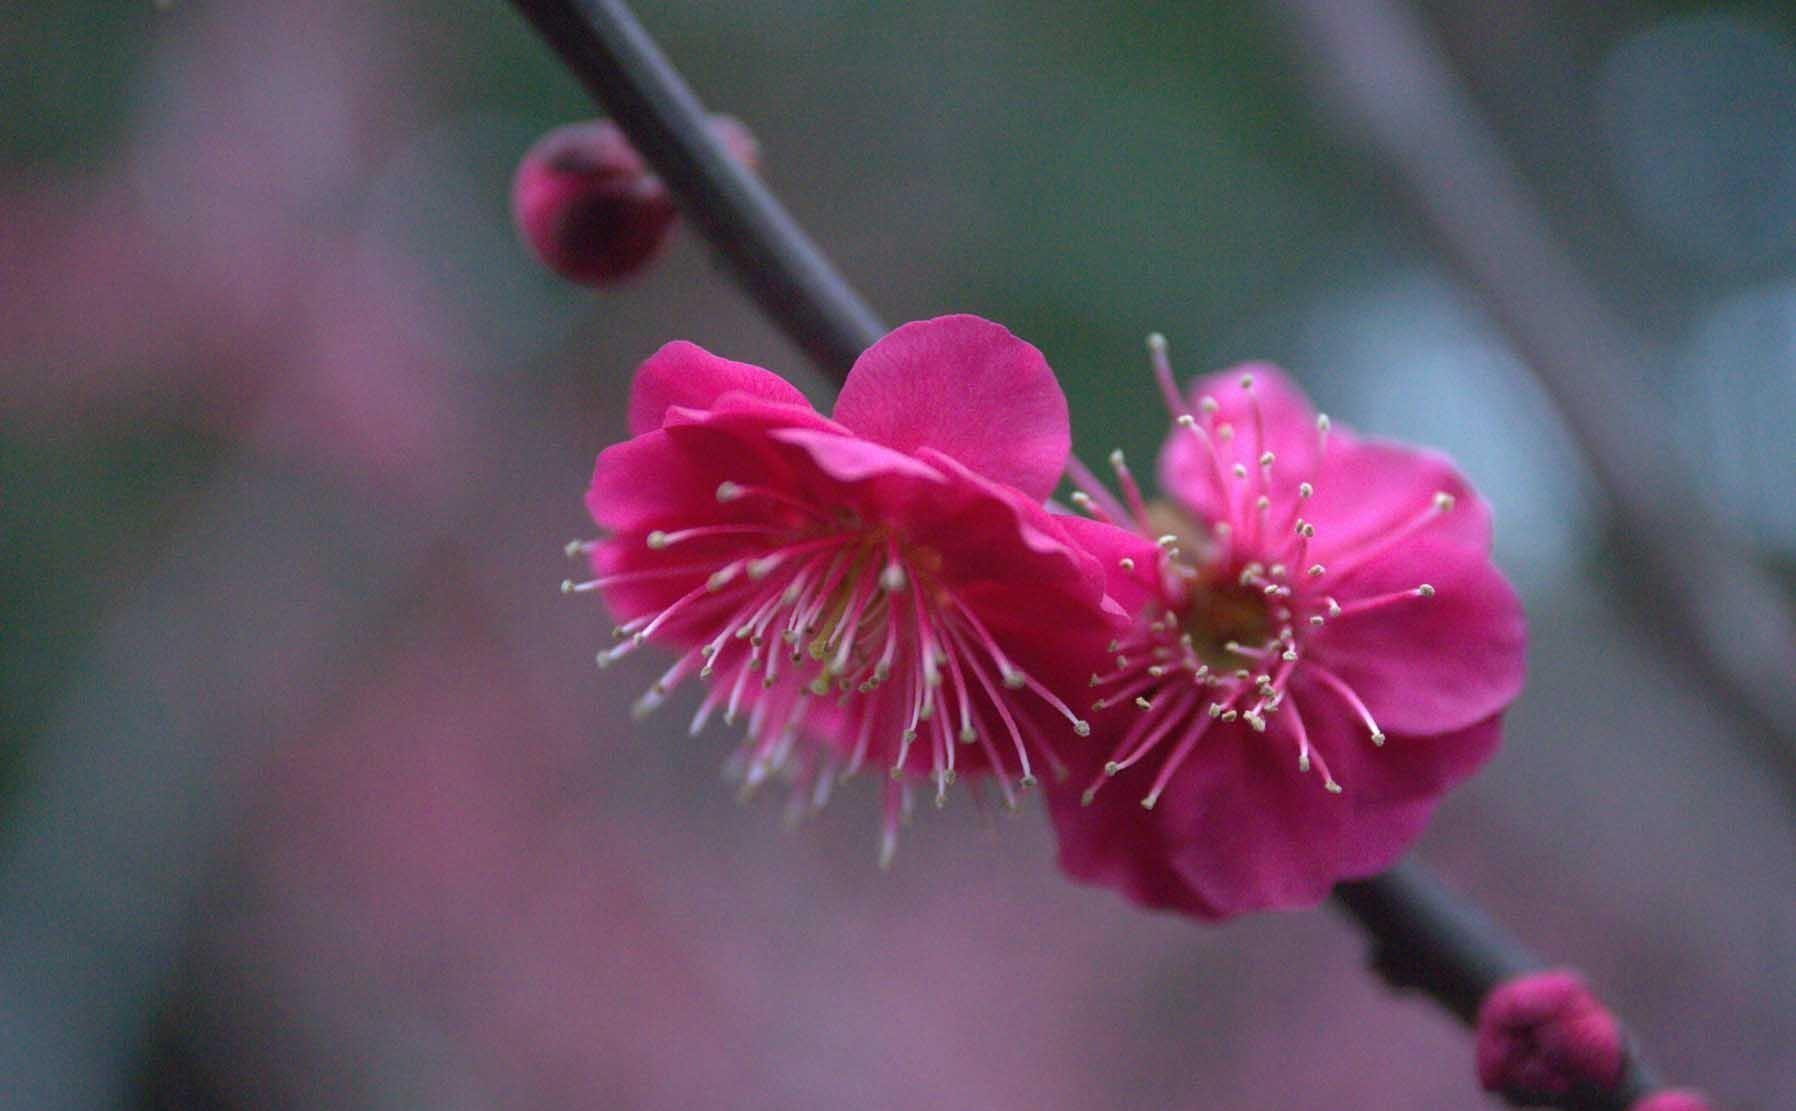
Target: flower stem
x,y
1427,938
1424,936
770,255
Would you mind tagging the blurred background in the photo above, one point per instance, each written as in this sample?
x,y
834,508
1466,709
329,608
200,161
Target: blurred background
x,y
310,798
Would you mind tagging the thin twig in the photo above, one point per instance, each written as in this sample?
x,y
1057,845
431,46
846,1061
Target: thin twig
x,y
1427,938
1377,76
770,255
1424,936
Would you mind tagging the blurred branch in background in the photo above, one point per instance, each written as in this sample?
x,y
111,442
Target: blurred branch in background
x,y
1378,78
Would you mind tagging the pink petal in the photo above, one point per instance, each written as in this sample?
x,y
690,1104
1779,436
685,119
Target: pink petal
x,y
1286,418
981,532
1110,545
849,459
1429,665
687,375
1241,829
637,483
969,389
1367,488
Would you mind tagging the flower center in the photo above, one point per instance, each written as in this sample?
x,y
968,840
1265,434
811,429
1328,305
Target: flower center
x,y
804,604
1240,599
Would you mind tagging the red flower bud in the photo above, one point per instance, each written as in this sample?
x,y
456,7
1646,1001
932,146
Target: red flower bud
x,y
585,202
1546,1035
1675,1099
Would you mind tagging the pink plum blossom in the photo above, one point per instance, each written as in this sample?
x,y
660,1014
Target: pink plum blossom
x,y
1322,649
873,589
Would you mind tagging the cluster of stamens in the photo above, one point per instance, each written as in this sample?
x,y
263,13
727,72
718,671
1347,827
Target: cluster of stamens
x,y
812,606
1239,601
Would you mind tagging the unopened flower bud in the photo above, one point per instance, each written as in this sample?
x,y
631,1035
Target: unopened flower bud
x,y
1674,1099
1545,1035
588,206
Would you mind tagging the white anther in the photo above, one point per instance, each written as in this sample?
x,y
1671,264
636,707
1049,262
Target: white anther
x,y
1126,563
1316,571
657,540
728,491
1266,458
1425,591
1443,501
891,580
1305,490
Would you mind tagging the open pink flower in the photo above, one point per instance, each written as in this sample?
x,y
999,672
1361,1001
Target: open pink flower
x,y
872,589
1323,648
